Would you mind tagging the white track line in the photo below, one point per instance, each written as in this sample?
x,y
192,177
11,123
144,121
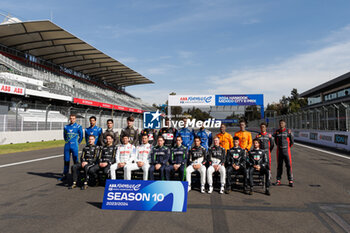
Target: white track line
x,y
324,151
30,161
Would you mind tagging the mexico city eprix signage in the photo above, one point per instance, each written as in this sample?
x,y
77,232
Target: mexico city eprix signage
x,y
145,195
191,100
223,100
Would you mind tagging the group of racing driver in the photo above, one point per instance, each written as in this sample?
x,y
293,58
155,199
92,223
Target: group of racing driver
x,y
175,154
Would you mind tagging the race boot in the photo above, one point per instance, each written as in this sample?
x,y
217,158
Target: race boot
x,y
63,178
278,183
228,189
291,183
210,189
251,191
85,186
73,186
222,189
267,192
189,188
202,189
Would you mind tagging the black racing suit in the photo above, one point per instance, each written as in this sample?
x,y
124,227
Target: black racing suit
x,y
132,133
266,145
103,140
152,136
159,155
178,156
169,134
89,155
236,155
258,157
284,141
107,155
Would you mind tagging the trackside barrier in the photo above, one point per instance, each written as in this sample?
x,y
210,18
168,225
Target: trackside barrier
x,y
333,139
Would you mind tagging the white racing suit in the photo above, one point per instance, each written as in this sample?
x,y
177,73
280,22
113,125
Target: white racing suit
x,y
125,154
142,155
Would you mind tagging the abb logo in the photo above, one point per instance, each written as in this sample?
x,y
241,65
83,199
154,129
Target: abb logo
x,y
183,98
11,89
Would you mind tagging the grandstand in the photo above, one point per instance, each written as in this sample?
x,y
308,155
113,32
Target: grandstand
x,y
46,73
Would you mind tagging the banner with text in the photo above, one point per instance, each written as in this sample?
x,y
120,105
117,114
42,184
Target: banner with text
x,y
191,100
145,195
222,100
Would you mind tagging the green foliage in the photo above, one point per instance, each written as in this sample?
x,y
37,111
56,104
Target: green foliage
x,y
289,104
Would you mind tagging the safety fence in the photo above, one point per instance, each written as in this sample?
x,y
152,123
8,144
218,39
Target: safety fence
x,y
331,117
36,117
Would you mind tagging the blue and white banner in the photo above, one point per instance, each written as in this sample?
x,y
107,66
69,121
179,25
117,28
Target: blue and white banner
x,y
145,195
222,100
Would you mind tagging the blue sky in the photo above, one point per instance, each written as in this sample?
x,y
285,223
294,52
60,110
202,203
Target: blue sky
x,y
215,47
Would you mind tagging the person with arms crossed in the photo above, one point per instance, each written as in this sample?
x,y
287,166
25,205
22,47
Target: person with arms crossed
x,y
178,160
284,140
197,158
87,160
159,157
142,159
93,130
216,160
73,135
225,138
245,137
124,157
236,165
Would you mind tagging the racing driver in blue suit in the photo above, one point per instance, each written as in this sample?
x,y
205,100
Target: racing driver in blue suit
x,y
186,134
93,130
73,135
205,136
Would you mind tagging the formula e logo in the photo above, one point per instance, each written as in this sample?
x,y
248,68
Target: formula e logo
x,y
151,120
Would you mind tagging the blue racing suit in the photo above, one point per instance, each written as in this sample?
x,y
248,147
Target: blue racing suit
x,y
73,135
206,138
187,136
96,131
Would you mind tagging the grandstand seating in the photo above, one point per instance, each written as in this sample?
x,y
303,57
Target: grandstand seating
x,y
21,74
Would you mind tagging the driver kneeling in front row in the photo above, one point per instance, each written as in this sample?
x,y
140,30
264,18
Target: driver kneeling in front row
x,y
196,162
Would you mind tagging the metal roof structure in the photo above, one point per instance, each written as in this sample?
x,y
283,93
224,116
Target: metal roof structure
x,y
46,40
341,80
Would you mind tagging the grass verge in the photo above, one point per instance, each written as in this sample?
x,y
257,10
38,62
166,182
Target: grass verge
x,y
20,147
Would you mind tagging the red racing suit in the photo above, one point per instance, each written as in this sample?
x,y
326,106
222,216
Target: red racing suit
x,y
284,141
267,144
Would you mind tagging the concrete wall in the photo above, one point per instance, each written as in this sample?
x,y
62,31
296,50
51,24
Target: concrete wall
x,y
30,136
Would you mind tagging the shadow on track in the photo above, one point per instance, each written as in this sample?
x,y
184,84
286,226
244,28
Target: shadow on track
x,y
96,204
46,174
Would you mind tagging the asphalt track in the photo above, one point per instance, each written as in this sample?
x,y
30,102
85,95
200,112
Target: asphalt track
x,y
32,200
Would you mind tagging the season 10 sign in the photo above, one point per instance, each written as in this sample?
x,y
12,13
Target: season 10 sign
x,y
145,195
